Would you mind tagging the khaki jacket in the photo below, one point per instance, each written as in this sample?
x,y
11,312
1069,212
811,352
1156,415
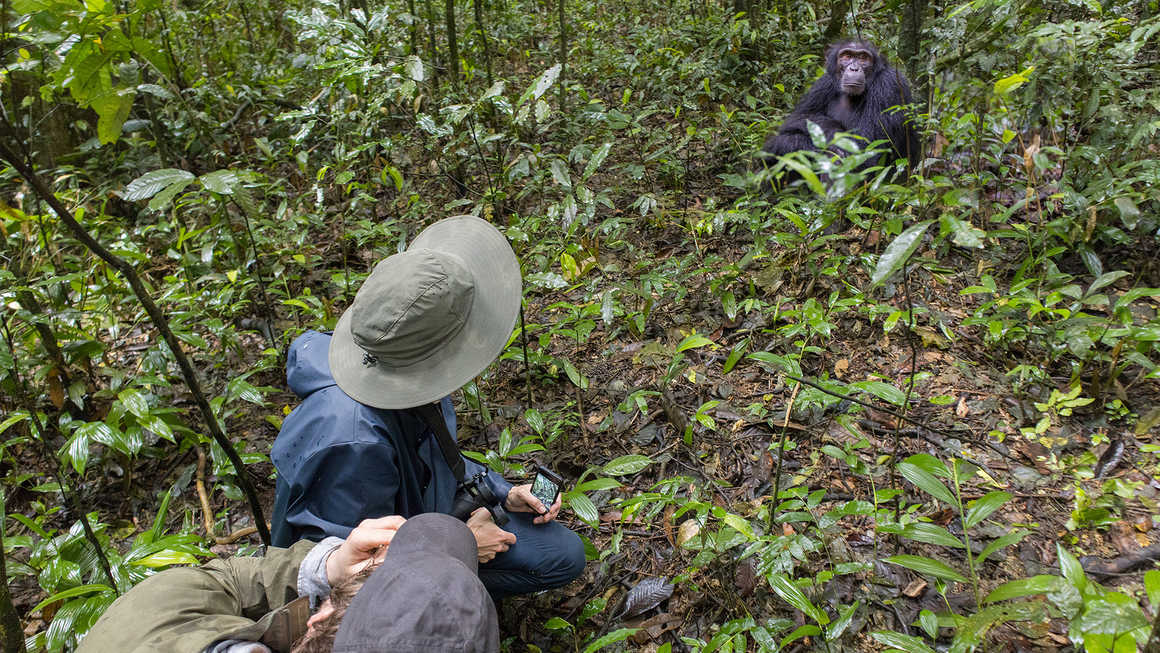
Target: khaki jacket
x,y
186,609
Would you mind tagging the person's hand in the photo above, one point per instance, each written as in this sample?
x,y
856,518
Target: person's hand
x,y
521,499
366,545
489,538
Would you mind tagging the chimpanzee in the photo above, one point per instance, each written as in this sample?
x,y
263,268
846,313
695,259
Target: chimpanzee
x,y
855,95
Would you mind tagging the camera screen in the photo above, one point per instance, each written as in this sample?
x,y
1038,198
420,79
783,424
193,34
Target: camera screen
x,y
545,490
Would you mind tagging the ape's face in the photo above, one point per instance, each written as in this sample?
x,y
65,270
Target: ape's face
x,y
854,66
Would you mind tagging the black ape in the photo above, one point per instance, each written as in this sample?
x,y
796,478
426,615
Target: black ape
x,y
854,96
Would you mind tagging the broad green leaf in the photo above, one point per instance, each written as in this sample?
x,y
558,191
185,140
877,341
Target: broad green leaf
x,y
1008,84
929,622
881,390
79,590
597,158
135,402
898,252
1129,212
1134,294
112,109
221,182
1072,569
929,463
165,559
624,465
414,68
908,643
693,341
924,565
984,507
792,595
583,507
560,173
556,623
1041,584
739,524
1000,542
597,484
153,182
804,630
927,482
835,630
618,635
543,83
161,200
931,534
1152,586
1112,614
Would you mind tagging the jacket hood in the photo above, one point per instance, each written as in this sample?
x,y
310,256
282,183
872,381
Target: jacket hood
x,y
307,364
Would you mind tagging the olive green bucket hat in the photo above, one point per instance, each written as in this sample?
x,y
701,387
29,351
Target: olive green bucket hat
x,y
428,320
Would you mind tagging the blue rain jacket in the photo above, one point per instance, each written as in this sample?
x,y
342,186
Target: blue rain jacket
x,y
340,461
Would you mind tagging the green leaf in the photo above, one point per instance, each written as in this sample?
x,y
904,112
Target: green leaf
x,y
924,565
739,524
1129,212
135,402
1000,542
898,252
221,182
560,173
792,595
693,341
1134,294
112,110
983,507
1008,84
556,623
927,482
79,590
165,559
835,630
1072,569
629,464
908,643
931,534
597,484
153,182
1112,614
929,463
804,630
929,622
618,635
881,390
1152,586
597,158
542,84
1041,584
583,507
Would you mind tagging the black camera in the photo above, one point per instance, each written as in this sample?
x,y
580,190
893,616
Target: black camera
x,y
472,493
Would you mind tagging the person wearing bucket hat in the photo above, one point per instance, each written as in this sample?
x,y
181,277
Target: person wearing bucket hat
x,y
425,322
394,585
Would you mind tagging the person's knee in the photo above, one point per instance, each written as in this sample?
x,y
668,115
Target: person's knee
x,y
568,558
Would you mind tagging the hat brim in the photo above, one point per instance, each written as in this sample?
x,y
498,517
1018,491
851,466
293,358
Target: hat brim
x,y
485,253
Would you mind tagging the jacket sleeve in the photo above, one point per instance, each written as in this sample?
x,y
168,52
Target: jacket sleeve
x,y
341,485
186,609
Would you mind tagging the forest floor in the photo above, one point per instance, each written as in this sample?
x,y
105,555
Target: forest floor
x,y
733,465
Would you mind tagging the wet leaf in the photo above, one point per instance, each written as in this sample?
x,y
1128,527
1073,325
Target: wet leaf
x,y
929,566
898,251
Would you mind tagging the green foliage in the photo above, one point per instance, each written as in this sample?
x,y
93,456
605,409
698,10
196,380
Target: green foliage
x,y
253,160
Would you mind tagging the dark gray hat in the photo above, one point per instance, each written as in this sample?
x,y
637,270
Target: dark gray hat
x,y
429,319
425,596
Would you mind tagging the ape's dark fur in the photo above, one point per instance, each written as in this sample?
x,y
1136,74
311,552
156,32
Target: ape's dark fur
x,y
866,115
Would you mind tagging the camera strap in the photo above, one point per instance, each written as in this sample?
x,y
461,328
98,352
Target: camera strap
x,y
433,416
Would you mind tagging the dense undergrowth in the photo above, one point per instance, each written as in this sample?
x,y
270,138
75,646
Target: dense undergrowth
x,y
860,414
